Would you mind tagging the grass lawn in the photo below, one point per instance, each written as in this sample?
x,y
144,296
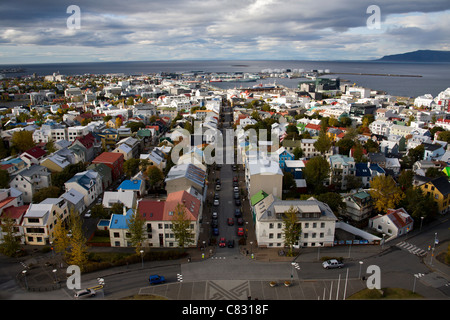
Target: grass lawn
x,y
385,293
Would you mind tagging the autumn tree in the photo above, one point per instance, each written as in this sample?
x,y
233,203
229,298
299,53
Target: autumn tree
x,y
323,143
155,175
61,240
136,225
291,229
181,226
78,244
22,140
385,193
118,122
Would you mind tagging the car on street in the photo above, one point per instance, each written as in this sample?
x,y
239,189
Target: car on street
x,y
214,223
88,214
230,243
237,202
216,202
234,167
230,221
240,231
236,189
215,215
218,187
240,221
332,263
236,195
237,212
235,179
216,231
85,293
222,242
156,279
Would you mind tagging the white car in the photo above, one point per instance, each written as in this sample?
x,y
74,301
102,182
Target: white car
x,y
216,202
88,214
333,263
214,215
84,293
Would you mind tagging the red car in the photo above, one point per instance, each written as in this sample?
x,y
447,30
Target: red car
x,y
240,231
230,221
222,243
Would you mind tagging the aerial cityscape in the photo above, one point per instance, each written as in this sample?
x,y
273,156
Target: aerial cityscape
x,y
228,175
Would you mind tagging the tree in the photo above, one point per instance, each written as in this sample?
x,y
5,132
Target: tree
x,y
434,173
118,122
298,153
385,193
155,175
316,171
4,179
117,208
78,253
181,226
131,166
136,225
333,200
405,179
291,229
345,145
98,211
419,204
323,143
61,240
50,146
288,181
10,241
444,136
23,140
44,193
416,154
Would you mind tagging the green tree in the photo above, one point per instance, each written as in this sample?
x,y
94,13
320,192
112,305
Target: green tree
x,y
385,193
117,208
345,145
298,153
405,179
44,193
288,181
136,225
323,143
181,226
434,173
4,179
316,171
10,243
131,166
291,229
98,211
419,204
50,146
333,200
155,176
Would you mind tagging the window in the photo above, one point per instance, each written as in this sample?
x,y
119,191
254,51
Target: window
x,y
116,235
322,224
270,225
270,235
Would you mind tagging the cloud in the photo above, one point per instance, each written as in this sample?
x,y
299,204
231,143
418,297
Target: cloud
x,y
225,28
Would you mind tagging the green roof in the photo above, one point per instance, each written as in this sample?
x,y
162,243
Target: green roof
x,y
260,195
446,170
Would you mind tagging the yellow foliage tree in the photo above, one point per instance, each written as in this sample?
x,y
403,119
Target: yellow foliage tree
x,y
385,193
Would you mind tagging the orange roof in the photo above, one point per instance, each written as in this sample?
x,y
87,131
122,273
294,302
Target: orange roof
x,y
108,157
191,203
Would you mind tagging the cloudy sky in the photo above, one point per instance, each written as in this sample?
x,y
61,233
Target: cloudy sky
x,y
110,30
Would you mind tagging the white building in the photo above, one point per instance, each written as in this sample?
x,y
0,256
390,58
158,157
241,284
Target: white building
x,y
316,218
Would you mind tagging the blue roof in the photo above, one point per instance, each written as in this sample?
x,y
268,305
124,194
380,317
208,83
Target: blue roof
x,y
376,167
119,221
362,170
130,185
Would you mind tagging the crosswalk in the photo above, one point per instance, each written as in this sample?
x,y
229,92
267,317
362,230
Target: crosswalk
x,y
411,248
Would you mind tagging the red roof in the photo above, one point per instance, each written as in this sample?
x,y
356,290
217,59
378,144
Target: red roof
x,y
15,212
108,157
313,126
87,140
151,210
36,152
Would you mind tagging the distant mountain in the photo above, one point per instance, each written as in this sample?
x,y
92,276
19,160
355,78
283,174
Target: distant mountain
x,y
419,56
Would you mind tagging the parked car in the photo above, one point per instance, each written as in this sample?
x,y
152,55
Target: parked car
x,y
240,221
215,215
230,221
236,195
237,202
88,214
230,243
222,242
85,293
218,187
216,231
156,279
236,189
240,231
214,223
332,263
235,179
237,212
216,202
234,167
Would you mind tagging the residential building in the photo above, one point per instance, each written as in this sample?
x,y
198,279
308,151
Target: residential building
x,y
88,183
29,180
263,174
105,173
359,206
183,176
77,131
126,197
40,220
316,218
439,190
33,155
394,223
341,167
75,200
114,161
135,185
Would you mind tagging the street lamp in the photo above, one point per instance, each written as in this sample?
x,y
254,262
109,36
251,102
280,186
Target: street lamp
x,y
142,258
360,265
416,276
54,272
382,244
421,220
24,272
436,241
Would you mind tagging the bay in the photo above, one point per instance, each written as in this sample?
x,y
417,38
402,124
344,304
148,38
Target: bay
x,y
432,77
